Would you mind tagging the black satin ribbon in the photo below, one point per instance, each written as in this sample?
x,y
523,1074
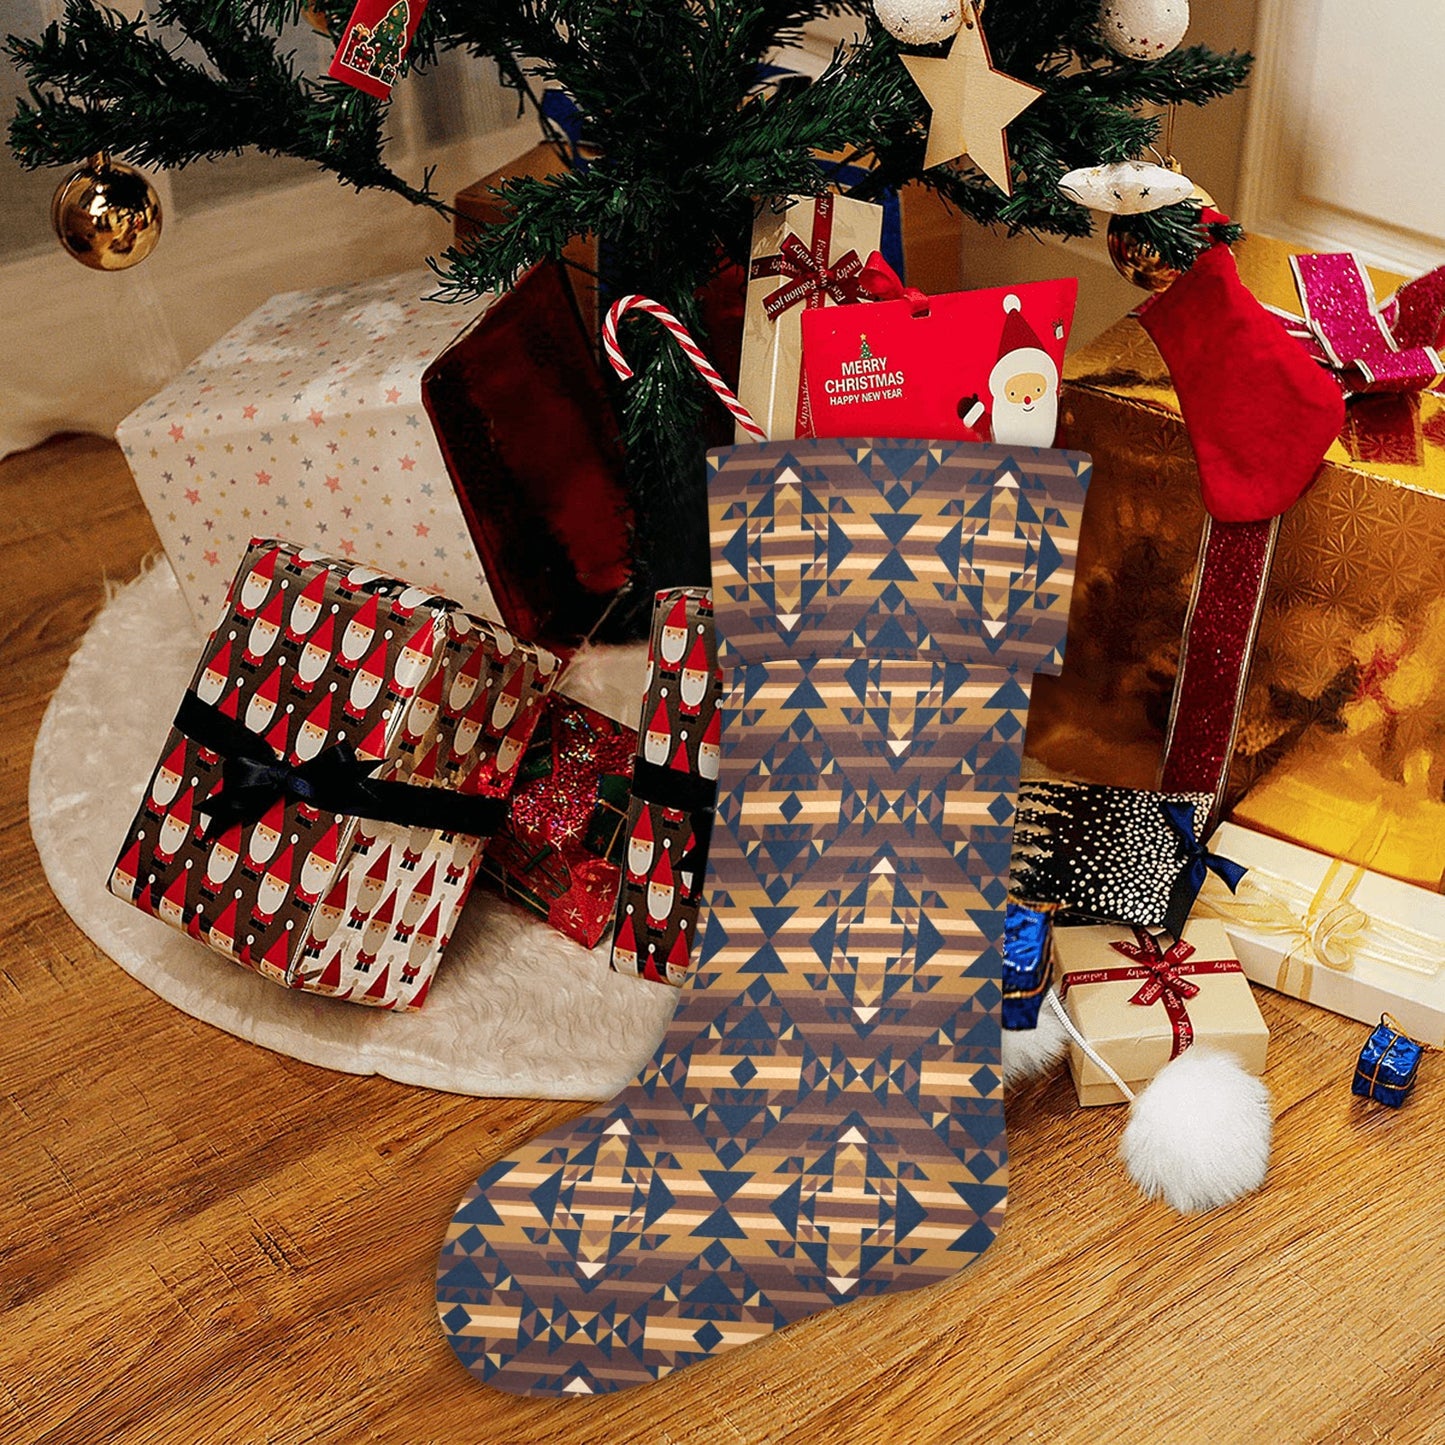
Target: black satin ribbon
x,y
336,780
684,793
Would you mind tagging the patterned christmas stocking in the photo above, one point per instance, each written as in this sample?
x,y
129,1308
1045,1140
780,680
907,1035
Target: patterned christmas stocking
x,y
824,1119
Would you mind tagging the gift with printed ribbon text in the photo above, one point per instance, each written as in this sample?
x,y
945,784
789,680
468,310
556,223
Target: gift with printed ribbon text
x,y
674,789
559,852
1333,933
1141,999
346,744
807,252
1318,637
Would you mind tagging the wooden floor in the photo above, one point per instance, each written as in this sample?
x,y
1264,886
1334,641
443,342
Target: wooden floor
x,y
201,1241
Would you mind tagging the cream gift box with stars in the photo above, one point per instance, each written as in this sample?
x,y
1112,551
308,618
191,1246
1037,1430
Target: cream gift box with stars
x,y
306,421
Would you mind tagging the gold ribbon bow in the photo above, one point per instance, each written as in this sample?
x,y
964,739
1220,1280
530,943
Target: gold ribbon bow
x,y
1323,929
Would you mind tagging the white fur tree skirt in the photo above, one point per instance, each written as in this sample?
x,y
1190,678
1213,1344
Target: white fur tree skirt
x,y
516,1008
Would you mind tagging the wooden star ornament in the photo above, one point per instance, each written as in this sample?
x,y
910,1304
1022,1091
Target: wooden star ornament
x,y
971,103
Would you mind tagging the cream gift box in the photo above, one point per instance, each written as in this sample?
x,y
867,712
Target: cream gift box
x,y
807,251
1140,1000
1351,941
306,421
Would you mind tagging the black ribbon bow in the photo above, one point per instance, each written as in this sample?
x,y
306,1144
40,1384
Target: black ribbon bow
x,y
684,793
336,780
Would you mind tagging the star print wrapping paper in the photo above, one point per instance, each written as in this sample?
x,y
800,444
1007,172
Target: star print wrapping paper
x,y
1341,743
312,419
306,420
316,660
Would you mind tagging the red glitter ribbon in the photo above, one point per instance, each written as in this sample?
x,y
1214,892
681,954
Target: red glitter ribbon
x,y
1164,979
1219,632
557,807
812,282
1369,347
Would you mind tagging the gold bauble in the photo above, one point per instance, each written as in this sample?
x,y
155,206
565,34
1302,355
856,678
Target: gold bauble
x,y
316,18
107,215
1137,261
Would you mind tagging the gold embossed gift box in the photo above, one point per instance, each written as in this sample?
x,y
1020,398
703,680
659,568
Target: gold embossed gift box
x,y
1141,1000
1333,933
317,811
1341,746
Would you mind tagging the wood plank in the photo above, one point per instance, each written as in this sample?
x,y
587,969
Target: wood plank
x,y
200,1240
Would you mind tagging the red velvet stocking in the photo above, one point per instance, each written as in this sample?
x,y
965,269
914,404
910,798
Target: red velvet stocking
x,y
1261,414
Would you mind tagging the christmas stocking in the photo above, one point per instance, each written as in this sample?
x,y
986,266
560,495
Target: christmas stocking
x,y
824,1119
1261,414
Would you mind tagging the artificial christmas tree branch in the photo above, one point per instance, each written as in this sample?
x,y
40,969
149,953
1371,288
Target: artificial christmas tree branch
x,y
680,135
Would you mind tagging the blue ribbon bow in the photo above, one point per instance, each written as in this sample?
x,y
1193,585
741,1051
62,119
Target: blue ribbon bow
x,y
1199,861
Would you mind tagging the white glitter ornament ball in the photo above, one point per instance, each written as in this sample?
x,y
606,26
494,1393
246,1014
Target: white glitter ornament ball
x,y
1143,29
919,22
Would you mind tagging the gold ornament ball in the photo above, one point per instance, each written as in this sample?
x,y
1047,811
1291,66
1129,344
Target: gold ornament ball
x,y
1137,261
107,215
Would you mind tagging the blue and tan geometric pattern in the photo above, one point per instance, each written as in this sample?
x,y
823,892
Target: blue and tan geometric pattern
x,y
824,1119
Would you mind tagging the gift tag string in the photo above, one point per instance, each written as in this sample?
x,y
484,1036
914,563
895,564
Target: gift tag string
x,y
691,350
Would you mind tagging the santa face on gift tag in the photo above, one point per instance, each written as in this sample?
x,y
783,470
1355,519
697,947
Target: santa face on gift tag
x,y
1024,385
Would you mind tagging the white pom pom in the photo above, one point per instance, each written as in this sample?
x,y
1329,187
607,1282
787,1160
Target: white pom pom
x,y
919,22
1030,1052
1199,1135
1011,303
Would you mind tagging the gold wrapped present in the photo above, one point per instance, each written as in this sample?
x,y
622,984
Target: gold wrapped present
x,y
1341,745
1141,1001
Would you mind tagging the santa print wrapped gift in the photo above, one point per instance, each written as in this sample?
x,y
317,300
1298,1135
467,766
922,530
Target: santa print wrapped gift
x,y
807,252
559,852
1332,933
1141,1001
674,788
320,803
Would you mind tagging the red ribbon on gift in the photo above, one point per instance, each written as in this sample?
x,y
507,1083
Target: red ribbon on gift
x,y
1369,347
1164,976
813,282
878,281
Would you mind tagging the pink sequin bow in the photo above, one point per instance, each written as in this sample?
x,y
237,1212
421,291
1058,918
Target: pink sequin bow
x,y
1368,346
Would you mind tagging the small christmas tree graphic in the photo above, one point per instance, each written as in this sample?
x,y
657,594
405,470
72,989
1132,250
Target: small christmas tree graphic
x,y
378,52
865,352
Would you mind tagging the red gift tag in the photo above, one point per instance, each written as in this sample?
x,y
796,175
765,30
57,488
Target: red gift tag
x,y
970,366
374,44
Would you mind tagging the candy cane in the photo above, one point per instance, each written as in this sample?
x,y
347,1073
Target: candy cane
x,y
694,354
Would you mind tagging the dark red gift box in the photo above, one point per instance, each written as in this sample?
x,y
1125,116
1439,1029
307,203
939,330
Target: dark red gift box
x,y
531,443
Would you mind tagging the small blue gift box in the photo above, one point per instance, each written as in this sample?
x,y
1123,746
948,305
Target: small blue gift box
x,y
1388,1064
1027,955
